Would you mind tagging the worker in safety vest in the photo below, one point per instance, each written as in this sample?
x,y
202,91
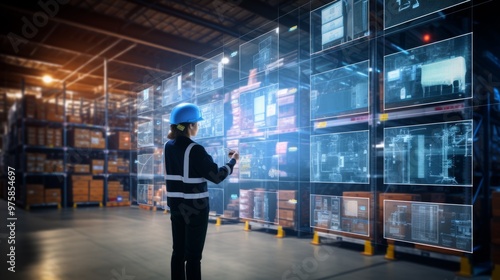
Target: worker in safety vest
x,y
188,166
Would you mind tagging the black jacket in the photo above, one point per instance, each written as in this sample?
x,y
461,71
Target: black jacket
x,y
187,167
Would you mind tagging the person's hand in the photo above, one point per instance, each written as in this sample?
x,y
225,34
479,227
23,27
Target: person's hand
x,y
234,154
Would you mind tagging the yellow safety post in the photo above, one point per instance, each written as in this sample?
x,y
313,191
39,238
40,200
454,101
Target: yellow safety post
x,y
165,211
59,206
218,221
465,266
390,252
495,274
247,226
281,232
368,248
315,240
101,205
74,205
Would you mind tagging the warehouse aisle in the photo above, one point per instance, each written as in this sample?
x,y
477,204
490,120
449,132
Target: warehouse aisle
x,y
129,243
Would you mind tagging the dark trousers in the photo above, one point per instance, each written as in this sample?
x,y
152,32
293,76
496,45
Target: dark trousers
x,y
189,230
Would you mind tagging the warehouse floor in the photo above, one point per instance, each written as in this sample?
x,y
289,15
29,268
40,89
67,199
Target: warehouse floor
x,y
128,243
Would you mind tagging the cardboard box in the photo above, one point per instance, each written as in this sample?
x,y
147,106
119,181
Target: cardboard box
x,y
35,194
97,166
286,204
286,223
284,214
73,119
52,196
81,168
81,178
80,198
41,136
286,195
230,214
97,143
35,189
79,190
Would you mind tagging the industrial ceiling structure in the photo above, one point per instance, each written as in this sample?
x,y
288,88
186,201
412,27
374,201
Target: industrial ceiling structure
x,y
132,42
138,43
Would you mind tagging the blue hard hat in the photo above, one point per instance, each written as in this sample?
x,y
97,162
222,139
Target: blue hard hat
x,y
185,113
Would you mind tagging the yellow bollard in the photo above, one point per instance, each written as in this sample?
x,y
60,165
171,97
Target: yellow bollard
x,y
247,226
218,221
281,232
465,267
59,206
315,240
368,248
390,252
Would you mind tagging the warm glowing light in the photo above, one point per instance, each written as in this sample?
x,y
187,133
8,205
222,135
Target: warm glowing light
x,y
427,38
47,79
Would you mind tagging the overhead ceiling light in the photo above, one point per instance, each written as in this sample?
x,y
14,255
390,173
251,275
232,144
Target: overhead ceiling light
x,y
225,60
47,79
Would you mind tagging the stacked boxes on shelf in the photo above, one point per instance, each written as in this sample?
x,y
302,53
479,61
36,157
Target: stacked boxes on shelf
x,y
35,194
79,138
80,188
54,165
97,166
116,195
118,165
38,162
42,120
43,136
120,140
31,135
85,189
35,162
287,207
96,193
232,209
246,204
97,141
54,112
87,138
53,137
30,106
52,195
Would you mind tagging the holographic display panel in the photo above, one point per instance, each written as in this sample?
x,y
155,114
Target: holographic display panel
x,y
342,91
432,73
341,213
441,225
340,157
432,154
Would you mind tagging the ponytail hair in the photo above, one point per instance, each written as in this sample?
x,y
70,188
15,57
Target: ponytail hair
x,y
177,130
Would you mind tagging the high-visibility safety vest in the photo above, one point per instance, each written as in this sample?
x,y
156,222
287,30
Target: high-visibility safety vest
x,y
188,166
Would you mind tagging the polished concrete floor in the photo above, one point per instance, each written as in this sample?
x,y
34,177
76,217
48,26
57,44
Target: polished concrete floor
x,y
128,243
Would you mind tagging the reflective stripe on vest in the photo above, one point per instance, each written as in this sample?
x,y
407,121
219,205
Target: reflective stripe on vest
x,y
187,195
186,179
